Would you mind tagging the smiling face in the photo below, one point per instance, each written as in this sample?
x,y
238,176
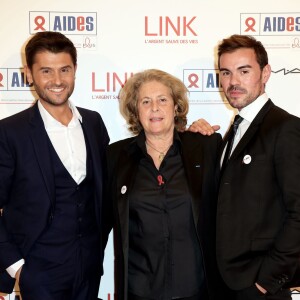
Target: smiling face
x,y
241,77
53,76
156,109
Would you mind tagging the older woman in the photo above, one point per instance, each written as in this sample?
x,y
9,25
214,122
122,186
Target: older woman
x,y
163,187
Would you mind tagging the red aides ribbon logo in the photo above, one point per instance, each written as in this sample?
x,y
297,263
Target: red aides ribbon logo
x,y
250,23
193,79
1,85
160,180
39,22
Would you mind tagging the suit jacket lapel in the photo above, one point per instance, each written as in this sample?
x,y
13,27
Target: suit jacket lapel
x,y
251,130
192,159
126,170
99,169
91,139
40,143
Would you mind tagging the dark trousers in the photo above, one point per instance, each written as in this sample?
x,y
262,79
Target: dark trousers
x,y
253,293
42,279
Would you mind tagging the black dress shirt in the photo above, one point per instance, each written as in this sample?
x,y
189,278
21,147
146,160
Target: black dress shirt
x,y
165,260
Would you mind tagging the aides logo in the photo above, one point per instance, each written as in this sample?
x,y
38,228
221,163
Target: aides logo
x,y
202,80
171,30
203,84
76,23
13,79
271,24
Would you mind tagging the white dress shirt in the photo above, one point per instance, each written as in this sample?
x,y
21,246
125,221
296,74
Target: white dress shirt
x,y
248,114
69,144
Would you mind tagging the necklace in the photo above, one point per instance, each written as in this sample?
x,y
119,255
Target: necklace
x,y
162,154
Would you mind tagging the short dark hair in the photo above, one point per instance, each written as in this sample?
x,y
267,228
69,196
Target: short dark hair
x,y
237,41
51,41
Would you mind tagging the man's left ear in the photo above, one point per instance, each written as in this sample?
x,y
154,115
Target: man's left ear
x,y
266,73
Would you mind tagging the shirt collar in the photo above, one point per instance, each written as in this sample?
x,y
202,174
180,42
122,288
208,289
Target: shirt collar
x,y
250,111
51,122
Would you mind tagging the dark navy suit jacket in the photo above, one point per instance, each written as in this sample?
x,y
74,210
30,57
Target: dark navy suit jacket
x,y
27,188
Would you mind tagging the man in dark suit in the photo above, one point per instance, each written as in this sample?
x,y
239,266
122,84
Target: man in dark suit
x,y
51,170
258,216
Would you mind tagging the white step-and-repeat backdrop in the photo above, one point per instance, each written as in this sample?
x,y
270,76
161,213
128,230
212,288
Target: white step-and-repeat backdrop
x,y
117,38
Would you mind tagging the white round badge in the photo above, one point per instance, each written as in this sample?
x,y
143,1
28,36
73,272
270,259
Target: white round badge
x,y
247,159
123,189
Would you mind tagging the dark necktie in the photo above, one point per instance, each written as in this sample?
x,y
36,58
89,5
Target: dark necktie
x,y
237,120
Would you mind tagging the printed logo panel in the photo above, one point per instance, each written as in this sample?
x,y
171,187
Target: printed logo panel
x,y
72,23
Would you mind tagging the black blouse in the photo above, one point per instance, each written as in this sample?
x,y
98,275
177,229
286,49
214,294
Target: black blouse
x,y
165,260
